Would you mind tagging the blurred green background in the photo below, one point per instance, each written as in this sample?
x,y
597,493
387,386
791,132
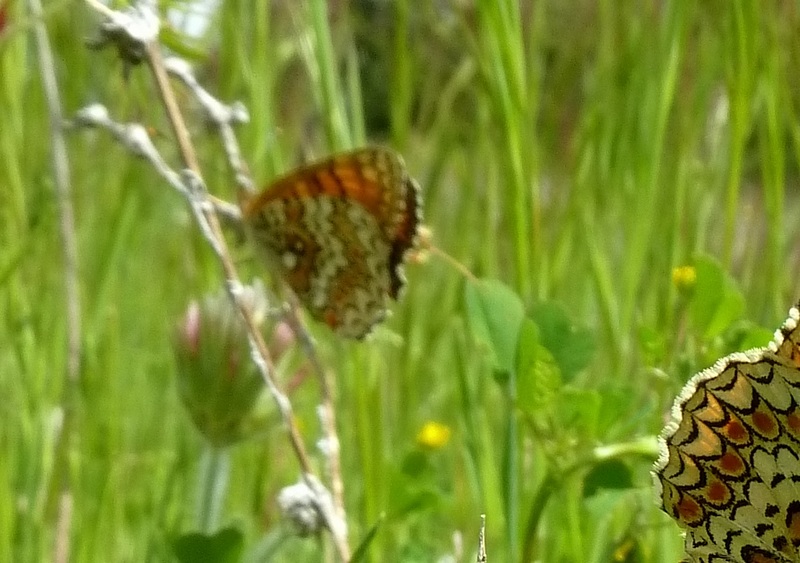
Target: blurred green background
x,y
620,177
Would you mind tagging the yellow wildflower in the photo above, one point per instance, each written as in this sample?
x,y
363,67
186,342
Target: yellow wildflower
x,y
684,278
433,435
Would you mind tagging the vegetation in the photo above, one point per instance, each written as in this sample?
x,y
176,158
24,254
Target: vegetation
x,y
616,181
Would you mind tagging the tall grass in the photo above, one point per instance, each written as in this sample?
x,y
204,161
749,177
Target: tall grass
x,y
578,151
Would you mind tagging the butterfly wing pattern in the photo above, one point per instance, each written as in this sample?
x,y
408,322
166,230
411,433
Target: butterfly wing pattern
x,y
729,469
339,231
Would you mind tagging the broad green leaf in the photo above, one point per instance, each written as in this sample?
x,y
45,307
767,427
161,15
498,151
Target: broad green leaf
x,y
571,346
716,302
614,410
579,410
756,337
415,464
652,345
609,474
538,374
223,547
707,292
729,310
495,314
615,533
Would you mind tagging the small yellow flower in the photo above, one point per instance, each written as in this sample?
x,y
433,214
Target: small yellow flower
x,y
684,278
433,435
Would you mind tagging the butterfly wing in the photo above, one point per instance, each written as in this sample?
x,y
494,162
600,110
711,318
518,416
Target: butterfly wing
x,y
729,469
338,232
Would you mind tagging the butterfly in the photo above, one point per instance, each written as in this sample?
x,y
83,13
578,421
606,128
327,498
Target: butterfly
x,y
339,232
729,469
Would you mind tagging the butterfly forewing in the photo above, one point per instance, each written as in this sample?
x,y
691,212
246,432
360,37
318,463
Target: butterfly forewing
x,y
338,231
729,469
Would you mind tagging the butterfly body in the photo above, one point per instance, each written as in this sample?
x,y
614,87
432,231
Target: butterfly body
x,y
338,232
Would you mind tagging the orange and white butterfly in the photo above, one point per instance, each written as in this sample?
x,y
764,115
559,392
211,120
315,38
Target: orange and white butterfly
x,y
339,231
729,469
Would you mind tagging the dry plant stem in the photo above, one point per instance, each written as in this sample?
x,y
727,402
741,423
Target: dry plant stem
x,y
332,451
482,541
452,261
262,357
223,116
100,8
171,106
69,247
211,221
204,206
63,527
134,137
328,414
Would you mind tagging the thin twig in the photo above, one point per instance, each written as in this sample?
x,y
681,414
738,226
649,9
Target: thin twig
x,y
224,116
69,247
452,261
135,138
206,215
140,18
101,8
63,526
482,541
332,448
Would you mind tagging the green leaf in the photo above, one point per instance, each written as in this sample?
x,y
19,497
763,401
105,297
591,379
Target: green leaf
x,y
538,374
571,346
756,337
707,292
361,551
730,309
615,413
579,410
223,547
415,464
652,345
716,302
610,474
495,314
